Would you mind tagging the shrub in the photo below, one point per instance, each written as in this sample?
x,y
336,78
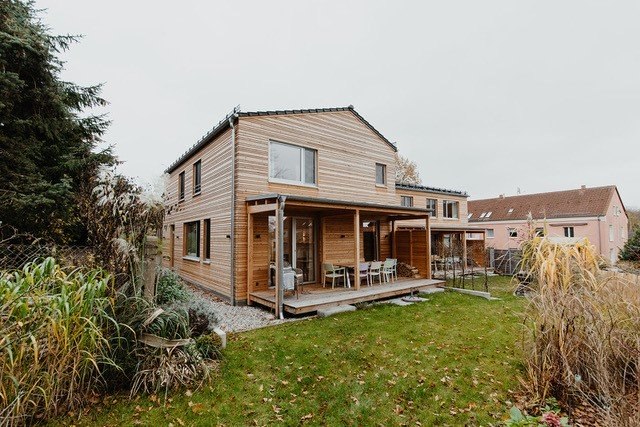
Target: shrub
x,y
631,249
582,339
54,339
170,288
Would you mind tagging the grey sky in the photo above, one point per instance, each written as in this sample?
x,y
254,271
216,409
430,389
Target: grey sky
x,y
486,96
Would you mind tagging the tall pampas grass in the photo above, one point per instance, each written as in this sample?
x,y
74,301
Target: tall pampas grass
x,y
582,335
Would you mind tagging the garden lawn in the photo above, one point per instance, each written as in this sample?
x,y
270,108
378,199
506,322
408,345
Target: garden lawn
x,y
452,360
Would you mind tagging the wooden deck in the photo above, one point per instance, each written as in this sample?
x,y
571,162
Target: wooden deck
x,y
315,296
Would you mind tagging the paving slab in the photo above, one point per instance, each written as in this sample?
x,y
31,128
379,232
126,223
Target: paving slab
x,y
330,311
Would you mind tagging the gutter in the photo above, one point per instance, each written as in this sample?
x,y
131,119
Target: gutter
x,y
232,276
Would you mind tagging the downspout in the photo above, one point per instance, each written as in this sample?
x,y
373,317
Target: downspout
x,y
280,261
233,207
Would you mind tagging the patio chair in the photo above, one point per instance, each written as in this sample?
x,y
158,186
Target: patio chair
x,y
374,270
395,266
364,269
333,273
387,270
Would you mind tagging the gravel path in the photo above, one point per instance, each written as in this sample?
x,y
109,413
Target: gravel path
x,y
238,318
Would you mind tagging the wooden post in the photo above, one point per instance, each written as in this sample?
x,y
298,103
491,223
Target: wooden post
x,y
394,251
152,260
411,247
427,230
464,251
249,257
356,230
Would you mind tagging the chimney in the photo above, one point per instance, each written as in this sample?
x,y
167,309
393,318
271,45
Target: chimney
x,y
501,196
583,187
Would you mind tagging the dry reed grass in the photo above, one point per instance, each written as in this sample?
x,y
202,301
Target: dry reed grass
x,y
582,341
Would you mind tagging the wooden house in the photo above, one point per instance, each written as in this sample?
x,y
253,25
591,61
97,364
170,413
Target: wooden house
x,y
264,190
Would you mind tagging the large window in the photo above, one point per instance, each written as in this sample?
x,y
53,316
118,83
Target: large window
x,y
432,207
207,239
381,174
292,163
569,232
181,186
192,239
449,209
197,177
406,201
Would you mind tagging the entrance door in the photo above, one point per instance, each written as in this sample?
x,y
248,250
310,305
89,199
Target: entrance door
x,y
370,240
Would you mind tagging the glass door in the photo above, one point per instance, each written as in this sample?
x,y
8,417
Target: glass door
x,y
304,248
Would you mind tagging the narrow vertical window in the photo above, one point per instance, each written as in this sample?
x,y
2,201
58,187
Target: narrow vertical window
x,y
181,186
381,174
207,239
197,177
569,232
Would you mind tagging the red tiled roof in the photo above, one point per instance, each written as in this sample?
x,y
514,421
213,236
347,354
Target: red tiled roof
x,y
557,204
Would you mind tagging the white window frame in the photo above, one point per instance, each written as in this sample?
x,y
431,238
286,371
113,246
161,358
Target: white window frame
x,y
490,233
301,182
452,203
569,231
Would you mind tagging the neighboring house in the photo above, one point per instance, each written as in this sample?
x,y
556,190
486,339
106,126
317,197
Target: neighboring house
x,y
597,214
329,172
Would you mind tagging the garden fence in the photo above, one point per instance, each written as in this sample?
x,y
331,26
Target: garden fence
x,y
504,261
16,255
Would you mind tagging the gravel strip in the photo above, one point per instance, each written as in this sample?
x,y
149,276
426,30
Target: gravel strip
x,y
238,318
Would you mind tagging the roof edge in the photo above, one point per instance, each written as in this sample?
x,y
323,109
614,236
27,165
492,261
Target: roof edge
x,y
426,189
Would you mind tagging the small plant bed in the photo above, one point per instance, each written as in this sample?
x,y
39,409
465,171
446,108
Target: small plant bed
x,y
451,361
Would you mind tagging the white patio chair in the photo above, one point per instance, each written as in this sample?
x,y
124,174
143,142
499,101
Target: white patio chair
x,y
374,270
364,269
387,270
333,273
395,266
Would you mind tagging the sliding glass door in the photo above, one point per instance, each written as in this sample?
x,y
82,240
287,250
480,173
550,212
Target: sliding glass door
x,y
299,245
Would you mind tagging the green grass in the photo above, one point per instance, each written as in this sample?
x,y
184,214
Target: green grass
x,y
450,361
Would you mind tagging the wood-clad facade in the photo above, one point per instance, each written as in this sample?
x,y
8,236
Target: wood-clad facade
x,y
341,202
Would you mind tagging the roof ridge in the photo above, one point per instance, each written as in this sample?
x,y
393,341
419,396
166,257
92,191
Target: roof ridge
x,y
612,186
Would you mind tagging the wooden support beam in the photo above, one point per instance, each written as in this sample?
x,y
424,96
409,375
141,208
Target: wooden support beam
x,y
279,260
356,230
411,248
249,257
428,233
271,207
394,251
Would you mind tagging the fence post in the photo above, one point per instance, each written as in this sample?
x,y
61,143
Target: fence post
x,y
152,260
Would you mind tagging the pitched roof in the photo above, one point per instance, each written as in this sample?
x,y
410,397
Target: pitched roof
x,y
582,202
224,125
425,189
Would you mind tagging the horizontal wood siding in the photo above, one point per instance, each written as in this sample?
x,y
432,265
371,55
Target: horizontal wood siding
x,y
419,251
261,253
213,202
420,201
339,249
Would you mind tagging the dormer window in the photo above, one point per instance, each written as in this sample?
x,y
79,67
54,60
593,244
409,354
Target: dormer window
x,y
510,211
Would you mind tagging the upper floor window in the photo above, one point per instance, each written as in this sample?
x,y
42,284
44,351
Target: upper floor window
x,y
449,209
513,233
192,239
490,233
292,163
406,201
432,207
381,174
181,185
197,177
569,232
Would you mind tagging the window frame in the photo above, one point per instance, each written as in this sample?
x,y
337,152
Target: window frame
x,y
384,175
197,178
181,186
402,201
432,211
450,203
569,231
512,232
186,231
490,233
302,150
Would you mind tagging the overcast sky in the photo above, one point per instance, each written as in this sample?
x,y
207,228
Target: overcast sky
x,y
486,96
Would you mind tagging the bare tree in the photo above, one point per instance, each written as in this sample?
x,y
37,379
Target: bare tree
x,y
407,171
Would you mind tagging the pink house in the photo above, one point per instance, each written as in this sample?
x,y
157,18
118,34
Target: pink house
x,y
597,214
